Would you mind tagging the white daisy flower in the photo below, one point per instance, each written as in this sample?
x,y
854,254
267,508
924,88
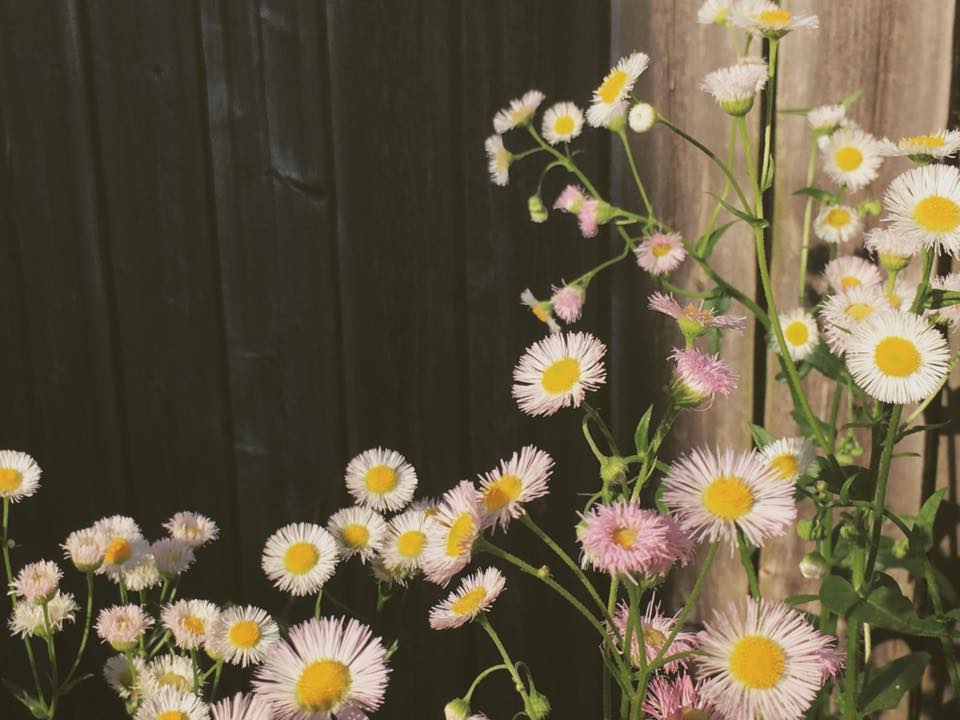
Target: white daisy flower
x,y
642,117
116,672
242,707
939,144
506,489
850,271
142,576
37,581
189,621
27,619
358,531
761,659
328,668
892,249
451,533
498,160
556,372
843,312
715,12
172,557
172,704
712,494
924,206
788,458
475,595
19,475
167,671
902,296
767,18
85,548
949,315
837,224
299,558
192,528
562,123
851,157
122,626
381,479
826,118
800,333
735,87
898,357
243,635
390,575
609,99
405,541
126,546
518,112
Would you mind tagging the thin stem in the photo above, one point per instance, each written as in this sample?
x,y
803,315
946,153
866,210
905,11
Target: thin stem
x,y
316,606
850,678
196,670
731,157
807,217
6,547
88,619
52,656
771,93
607,434
585,426
481,677
564,161
747,561
880,495
518,683
622,133
218,670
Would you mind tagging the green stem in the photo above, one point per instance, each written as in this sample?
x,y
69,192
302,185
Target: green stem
x,y
747,561
6,547
196,671
481,677
771,93
518,683
880,494
88,620
566,162
850,678
622,133
945,641
731,157
316,606
807,217
216,681
52,656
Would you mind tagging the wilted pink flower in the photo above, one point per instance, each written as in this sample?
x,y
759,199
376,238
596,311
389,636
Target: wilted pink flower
x,y
570,199
623,538
699,377
568,302
656,628
677,699
695,319
661,253
831,662
587,217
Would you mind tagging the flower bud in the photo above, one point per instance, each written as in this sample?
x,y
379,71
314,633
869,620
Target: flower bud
x,y
613,470
543,572
538,212
805,529
813,566
892,263
642,117
537,706
457,709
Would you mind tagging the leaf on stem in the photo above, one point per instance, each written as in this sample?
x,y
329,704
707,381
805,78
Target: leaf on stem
x,y
888,684
752,220
641,436
824,196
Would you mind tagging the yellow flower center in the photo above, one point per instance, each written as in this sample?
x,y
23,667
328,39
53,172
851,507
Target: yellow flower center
x,y
894,299
563,125
380,479
653,637
323,685
774,18
244,634
118,551
624,537
837,218
728,498
757,662
660,249
786,465
502,160
858,311
540,313
561,376
937,214
612,86
460,532
410,543
797,333
355,535
925,142
10,480
848,158
300,558
470,602
849,281
193,624
897,357
172,679
172,715
502,492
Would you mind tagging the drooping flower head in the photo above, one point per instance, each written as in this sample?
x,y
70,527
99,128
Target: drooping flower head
x,y
451,533
299,558
924,206
19,475
192,528
736,87
694,320
570,199
851,157
661,253
557,371
800,333
123,625
924,148
381,479
762,659
837,224
498,160
656,628
519,112
475,595
699,377
327,668
850,271
505,490
712,494
359,531
562,123
542,310
609,99
623,538
788,458
567,302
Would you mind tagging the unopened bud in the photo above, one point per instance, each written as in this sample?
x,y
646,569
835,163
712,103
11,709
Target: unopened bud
x,y
642,117
613,470
538,212
813,566
543,572
537,706
458,709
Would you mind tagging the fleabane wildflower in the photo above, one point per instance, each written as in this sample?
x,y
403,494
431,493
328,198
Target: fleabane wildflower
x,y
557,371
452,532
694,319
678,698
924,206
122,626
800,333
851,157
518,112
166,671
698,378
642,117
736,87
902,295
242,635
505,490
189,621
661,253
893,250
562,123
850,271
843,312
475,595
498,160
381,479
567,302
656,628
19,475
715,12
192,528
299,558
242,707
359,532
761,17
570,199
85,548
837,224
172,557
37,581
542,310
172,703
609,100
761,659
924,148
788,458
406,539
825,119
27,619
141,576
126,546
117,674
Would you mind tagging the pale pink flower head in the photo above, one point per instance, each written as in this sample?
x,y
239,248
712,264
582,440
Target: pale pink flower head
x,y
831,662
242,707
568,302
694,320
85,548
661,253
122,626
678,699
37,581
656,628
570,199
699,377
588,217
451,532
625,539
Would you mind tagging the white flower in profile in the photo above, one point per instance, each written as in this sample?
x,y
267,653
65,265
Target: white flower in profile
x,y
519,112
893,250
122,626
938,144
166,671
609,100
848,272
789,457
27,619
498,160
735,88
85,549
19,475
192,528
451,533
762,17
826,118
715,12
475,595
505,490
843,312
142,576
189,621
172,557
37,581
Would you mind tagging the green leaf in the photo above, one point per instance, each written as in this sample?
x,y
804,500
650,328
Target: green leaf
x,y
888,684
826,362
886,607
923,429
658,500
801,599
73,683
641,436
747,218
851,98
705,243
32,704
823,196
838,595
768,179
761,438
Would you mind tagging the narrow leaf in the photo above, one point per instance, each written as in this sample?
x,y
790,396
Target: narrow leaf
x,y
888,684
746,217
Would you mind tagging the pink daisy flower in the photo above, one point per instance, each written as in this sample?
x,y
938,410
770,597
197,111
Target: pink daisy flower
x,y
656,628
677,699
568,302
699,377
570,199
588,218
694,319
557,371
451,532
661,253
623,538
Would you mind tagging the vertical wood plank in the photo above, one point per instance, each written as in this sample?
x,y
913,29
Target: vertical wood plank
x,y
677,178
